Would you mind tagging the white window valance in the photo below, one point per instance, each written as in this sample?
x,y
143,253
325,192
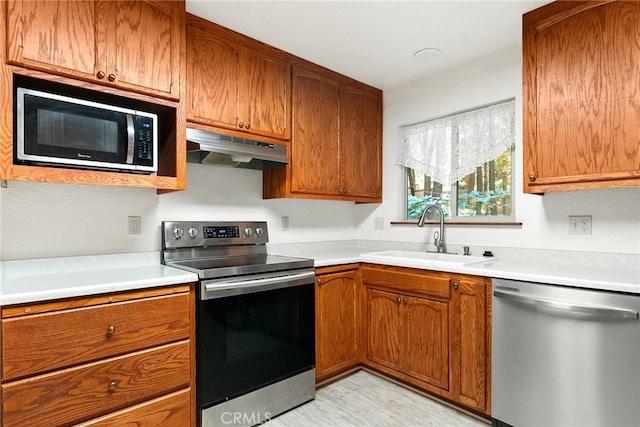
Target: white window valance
x,y
450,148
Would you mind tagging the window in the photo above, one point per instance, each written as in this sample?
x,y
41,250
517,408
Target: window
x,y
462,162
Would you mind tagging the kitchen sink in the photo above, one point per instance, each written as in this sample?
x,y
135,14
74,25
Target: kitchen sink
x,y
423,259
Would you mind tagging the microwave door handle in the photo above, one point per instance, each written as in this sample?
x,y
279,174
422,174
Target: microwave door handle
x,y
131,138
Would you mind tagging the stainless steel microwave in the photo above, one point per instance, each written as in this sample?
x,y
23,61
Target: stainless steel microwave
x,y
57,130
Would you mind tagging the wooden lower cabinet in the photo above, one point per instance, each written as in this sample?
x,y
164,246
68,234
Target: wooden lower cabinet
x,y
337,311
409,335
431,330
116,359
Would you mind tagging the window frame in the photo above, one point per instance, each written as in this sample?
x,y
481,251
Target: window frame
x,y
453,191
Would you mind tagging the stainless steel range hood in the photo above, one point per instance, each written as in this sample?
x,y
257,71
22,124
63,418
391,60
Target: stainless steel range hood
x,y
216,149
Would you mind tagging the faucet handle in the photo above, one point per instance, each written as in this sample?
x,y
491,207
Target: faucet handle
x,y
466,250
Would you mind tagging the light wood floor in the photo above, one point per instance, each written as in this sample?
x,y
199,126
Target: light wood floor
x,y
366,400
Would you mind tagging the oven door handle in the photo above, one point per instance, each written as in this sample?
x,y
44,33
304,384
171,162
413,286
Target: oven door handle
x,y
220,289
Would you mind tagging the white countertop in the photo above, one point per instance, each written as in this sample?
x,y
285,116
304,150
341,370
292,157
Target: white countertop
x,y
594,277
553,271
41,280
46,279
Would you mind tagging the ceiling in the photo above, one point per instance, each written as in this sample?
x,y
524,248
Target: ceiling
x,y
374,41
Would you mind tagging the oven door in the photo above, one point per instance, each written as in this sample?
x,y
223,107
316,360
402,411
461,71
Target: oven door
x,y
252,332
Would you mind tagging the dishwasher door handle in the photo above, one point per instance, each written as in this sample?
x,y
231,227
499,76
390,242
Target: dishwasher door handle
x,y
595,310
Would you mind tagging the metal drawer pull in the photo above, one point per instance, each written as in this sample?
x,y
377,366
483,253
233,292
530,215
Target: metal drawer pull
x,y
596,310
112,385
111,330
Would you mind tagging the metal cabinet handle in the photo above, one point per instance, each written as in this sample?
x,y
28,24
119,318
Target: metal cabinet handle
x,y
398,300
532,178
455,285
112,385
241,125
319,281
100,75
404,300
111,330
247,126
112,77
595,310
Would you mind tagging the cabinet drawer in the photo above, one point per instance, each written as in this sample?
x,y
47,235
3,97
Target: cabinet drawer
x,y
80,393
45,342
173,410
408,281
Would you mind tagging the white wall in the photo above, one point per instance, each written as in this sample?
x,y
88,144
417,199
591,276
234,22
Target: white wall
x,y
616,213
51,220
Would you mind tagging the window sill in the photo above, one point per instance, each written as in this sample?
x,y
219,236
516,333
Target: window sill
x,y
473,223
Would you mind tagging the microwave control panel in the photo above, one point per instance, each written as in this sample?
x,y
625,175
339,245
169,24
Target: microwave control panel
x,y
144,140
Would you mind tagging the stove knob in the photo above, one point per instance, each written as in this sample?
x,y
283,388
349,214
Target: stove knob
x,y
178,233
248,232
193,232
259,231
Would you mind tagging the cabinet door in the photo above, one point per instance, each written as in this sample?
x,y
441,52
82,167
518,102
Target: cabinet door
x,y
471,324
57,36
265,99
361,142
427,341
212,59
336,333
384,328
144,41
315,157
582,93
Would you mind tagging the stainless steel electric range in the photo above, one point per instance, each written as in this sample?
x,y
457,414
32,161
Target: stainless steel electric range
x,y
255,321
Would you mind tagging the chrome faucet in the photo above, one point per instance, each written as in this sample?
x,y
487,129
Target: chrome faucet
x,y
438,236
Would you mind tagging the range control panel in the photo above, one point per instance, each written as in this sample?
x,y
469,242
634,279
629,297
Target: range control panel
x,y
188,234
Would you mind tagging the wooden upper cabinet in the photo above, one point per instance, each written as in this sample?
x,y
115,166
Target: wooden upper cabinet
x,y
336,141
133,45
360,142
315,165
581,96
237,83
56,36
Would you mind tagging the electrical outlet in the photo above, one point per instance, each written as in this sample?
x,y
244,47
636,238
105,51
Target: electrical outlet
x,y
580,224
378,223
134,223
285,223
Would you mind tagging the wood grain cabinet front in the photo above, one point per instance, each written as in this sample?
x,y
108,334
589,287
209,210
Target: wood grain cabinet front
x,y
237,83
581,96
432,330
337,325
133,50
410,335
336,140
134,45
94,361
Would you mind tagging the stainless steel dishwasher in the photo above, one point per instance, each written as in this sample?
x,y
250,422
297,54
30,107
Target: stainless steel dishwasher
x,y
564,356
